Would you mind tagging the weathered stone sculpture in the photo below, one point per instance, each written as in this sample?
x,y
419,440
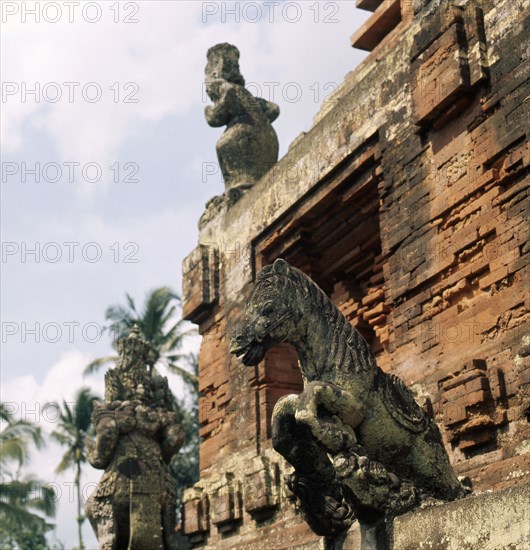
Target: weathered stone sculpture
x,y
249,146
360,445
133,506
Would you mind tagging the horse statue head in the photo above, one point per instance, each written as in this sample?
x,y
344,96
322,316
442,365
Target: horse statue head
x,y
271,313
285,305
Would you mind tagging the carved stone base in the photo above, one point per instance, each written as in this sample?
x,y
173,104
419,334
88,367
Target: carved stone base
x,y
497,520
219,202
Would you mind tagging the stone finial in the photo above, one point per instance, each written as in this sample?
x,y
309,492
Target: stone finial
x,y
132,348
249,146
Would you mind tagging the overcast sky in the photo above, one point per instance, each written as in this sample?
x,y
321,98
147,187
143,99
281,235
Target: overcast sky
x,y
104,152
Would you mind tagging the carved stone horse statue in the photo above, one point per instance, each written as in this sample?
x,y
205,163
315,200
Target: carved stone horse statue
x,y
360,445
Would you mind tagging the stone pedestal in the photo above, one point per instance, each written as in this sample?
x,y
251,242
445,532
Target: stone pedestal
x,y
497,520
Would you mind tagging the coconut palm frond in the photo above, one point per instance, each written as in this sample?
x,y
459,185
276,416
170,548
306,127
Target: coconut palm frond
x,y
15,437
5,414
29,493
67,461
190,379
19,496
84,405
174,337
95,365
131,304
13,449
16,515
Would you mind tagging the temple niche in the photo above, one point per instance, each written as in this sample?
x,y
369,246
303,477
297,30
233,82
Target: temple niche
x,y
410,212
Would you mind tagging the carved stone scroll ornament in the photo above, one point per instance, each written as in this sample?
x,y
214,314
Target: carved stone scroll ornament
x,y
137,434
360,445
249,146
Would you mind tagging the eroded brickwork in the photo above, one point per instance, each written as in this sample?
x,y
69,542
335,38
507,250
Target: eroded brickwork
x,y
408,203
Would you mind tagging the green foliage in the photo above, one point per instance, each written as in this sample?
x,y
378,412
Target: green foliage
x,y
15,438
185,465
20,526
157,325
23,537
73,427
22,501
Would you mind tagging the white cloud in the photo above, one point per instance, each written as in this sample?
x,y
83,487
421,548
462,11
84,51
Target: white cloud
x,y
61,381
105,53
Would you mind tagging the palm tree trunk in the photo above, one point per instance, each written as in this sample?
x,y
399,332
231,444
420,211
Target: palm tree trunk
x,y
80,518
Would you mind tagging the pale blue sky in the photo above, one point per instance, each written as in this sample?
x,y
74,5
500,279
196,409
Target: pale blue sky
x,y
141,230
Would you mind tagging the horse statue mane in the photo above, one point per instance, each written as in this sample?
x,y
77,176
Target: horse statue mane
x,y
360,445
348,349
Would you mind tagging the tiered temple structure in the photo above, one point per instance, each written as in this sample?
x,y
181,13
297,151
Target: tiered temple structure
x,y
407,203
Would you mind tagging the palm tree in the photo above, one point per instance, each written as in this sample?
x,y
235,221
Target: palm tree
x,y
20,525
15,437
157,325
73,427
20,498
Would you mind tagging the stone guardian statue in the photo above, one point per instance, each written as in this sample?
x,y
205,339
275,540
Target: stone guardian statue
x,y
249,146
137,434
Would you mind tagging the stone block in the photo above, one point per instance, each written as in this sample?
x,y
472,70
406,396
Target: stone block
x,y
261,495
449,62
195,513
440,78
454,414
226,504
491,521
386,17
200,282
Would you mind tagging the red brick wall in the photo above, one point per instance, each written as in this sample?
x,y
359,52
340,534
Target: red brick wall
x,y
421,236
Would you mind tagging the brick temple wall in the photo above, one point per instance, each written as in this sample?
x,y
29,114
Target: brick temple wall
x,y
407,201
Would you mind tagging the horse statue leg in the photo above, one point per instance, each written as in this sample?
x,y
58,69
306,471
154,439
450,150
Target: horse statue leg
x,y
377,491
314,481
331,414
335,429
